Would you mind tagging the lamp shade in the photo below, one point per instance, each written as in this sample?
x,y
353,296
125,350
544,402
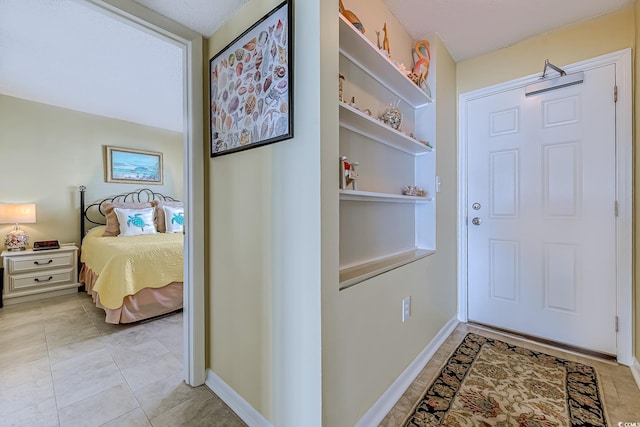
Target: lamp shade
x,y
17,213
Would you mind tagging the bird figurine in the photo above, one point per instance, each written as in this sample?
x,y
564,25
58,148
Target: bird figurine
x,y
385,40
351,17
422,56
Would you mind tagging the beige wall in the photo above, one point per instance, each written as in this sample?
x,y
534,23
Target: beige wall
x,y
366,346
47,152
575,43
264,283
581,41
636,162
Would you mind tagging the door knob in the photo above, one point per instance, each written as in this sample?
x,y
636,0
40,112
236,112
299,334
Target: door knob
x,y
476,221
476,206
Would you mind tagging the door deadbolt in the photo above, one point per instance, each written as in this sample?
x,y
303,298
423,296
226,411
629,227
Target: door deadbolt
x,y
476,206
476,221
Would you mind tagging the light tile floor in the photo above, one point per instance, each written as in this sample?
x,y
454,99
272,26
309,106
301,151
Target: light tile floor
x,y
618,388
62,365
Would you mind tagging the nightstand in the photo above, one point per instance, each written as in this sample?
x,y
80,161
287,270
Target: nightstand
x,y
30,275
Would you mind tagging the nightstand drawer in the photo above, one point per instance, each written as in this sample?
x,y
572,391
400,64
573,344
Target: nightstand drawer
x,y
50,278
23,264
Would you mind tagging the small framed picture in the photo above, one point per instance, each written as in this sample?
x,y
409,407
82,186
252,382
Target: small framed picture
x,y
130,166
251,86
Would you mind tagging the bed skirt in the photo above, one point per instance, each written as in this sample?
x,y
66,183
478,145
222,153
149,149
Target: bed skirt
x,y
147,303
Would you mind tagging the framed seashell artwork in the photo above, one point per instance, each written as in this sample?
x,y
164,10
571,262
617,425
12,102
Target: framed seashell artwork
x,y
251,85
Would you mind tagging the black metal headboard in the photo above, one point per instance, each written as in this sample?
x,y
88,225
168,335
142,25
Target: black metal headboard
x,y
94,213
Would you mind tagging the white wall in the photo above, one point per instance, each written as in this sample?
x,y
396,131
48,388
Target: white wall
x,y
47,152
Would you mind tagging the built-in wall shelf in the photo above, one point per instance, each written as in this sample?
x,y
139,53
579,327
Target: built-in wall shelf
x,y
355,120
369,196
363,53
355,274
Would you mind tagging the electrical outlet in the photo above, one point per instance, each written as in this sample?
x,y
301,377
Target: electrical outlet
x,y
406,309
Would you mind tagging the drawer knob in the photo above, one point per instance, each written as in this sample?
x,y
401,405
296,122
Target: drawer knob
x,y
43,263
38,280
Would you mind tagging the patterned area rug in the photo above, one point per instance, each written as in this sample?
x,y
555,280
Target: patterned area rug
x,y
488,382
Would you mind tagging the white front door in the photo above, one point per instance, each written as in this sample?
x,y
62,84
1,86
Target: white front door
x,y
541,212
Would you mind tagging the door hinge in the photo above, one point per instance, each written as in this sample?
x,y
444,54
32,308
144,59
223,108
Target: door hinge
x,y
616,323
615,93
615,207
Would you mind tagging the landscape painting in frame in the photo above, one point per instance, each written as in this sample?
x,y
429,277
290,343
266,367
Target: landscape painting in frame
x,y
251,86
129,166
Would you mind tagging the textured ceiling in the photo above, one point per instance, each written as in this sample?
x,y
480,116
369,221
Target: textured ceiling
x,y
203,16
473,27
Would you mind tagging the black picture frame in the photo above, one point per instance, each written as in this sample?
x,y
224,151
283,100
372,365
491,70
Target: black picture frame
x,y
251,86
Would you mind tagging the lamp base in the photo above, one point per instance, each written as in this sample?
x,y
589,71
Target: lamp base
x,y
16,240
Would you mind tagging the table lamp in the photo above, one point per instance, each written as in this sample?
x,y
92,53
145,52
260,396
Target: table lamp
x,y
16,213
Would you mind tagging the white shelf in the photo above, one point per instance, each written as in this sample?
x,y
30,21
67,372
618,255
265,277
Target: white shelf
x,y
368,196
355,274
355,120
355,46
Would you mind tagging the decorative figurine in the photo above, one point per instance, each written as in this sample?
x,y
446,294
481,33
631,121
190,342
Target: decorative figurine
x,y
378,38
385,41
351,17
353,102
392,116
340,85
348,173
422,57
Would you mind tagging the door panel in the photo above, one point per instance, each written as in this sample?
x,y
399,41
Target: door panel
x,y
541,169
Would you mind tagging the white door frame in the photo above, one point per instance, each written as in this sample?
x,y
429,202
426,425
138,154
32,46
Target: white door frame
x,y
190,42
624,179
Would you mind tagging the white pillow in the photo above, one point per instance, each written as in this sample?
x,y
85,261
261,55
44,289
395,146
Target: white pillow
x,y
134,222
174,219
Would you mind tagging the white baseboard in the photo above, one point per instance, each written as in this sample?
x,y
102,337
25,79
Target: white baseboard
x,y
386,402
234,401
635,371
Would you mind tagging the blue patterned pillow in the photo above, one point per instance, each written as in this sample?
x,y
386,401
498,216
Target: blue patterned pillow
x,y
134,222
174,219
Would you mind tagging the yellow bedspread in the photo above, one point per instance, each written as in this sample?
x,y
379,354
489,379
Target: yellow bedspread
x,y
125,265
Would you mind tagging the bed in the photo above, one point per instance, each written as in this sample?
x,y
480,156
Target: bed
x,y
132,276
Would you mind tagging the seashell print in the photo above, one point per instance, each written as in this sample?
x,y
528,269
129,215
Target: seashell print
x,y
262,38
239,68
239,54
259,89
282,84
255,116
260,105
214,74
244,137
264,130
267,83
274,50
278,30
232,86
257,76
252,88
279,72
281,126
258,60
242,90
225,96
284,107
228,122
232,59
251,44
282,55
248,121
223,80
250,105
247,57
214,107
223,64
233,104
